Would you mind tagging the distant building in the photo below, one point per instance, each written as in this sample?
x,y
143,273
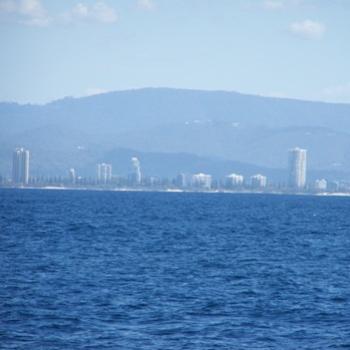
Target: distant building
x,y
153,181
234,180
20,166
136,176
72,176
181,181
258,181
297,168
202,181
333,186
320,185
104,173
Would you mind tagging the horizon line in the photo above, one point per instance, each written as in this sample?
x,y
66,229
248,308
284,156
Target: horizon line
x,y
108,92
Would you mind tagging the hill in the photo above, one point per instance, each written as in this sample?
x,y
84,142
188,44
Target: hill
x,y
221,126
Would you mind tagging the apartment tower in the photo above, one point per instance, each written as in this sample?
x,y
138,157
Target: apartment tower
x,y
297,168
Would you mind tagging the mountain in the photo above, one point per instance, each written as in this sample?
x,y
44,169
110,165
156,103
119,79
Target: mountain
x,y
215,126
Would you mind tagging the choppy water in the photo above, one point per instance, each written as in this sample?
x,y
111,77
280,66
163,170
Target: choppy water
x,y
105,270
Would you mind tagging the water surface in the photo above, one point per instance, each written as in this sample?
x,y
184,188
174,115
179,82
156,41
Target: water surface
x,y
115,270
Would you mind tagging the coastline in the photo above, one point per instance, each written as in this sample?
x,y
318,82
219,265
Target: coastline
x,y
176,190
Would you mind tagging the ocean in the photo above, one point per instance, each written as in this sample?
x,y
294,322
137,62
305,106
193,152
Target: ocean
x,y
142,270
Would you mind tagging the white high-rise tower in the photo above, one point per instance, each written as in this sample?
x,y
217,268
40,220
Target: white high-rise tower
x,y
20,166
297,168
72,176
136,175
104,173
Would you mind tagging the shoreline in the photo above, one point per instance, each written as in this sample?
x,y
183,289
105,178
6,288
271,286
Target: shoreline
x,y
175,190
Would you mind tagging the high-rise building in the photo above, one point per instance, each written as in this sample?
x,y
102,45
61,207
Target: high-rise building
x,y
104,173
202,181
72,176
297,168
181,180
234,180
259,181
20,166
136,175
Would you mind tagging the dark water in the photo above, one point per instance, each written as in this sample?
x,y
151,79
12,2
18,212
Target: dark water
x,y
103,270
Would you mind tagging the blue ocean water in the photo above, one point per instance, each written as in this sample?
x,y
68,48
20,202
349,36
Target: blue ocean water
x,y
119,270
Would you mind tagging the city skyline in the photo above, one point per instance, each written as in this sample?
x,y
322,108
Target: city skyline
x,y
297,180
174,174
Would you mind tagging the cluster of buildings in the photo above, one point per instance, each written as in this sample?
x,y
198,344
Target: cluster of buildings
x,y
231,182
297,161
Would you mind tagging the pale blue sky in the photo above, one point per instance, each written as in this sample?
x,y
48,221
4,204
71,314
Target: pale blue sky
x,y
292,48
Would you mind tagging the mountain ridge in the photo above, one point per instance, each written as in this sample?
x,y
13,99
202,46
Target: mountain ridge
x,y
67,98
218,124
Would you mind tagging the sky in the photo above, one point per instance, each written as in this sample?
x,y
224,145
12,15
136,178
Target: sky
x,y
284,48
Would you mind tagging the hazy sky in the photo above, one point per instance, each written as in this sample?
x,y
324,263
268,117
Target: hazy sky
x,y
293,48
